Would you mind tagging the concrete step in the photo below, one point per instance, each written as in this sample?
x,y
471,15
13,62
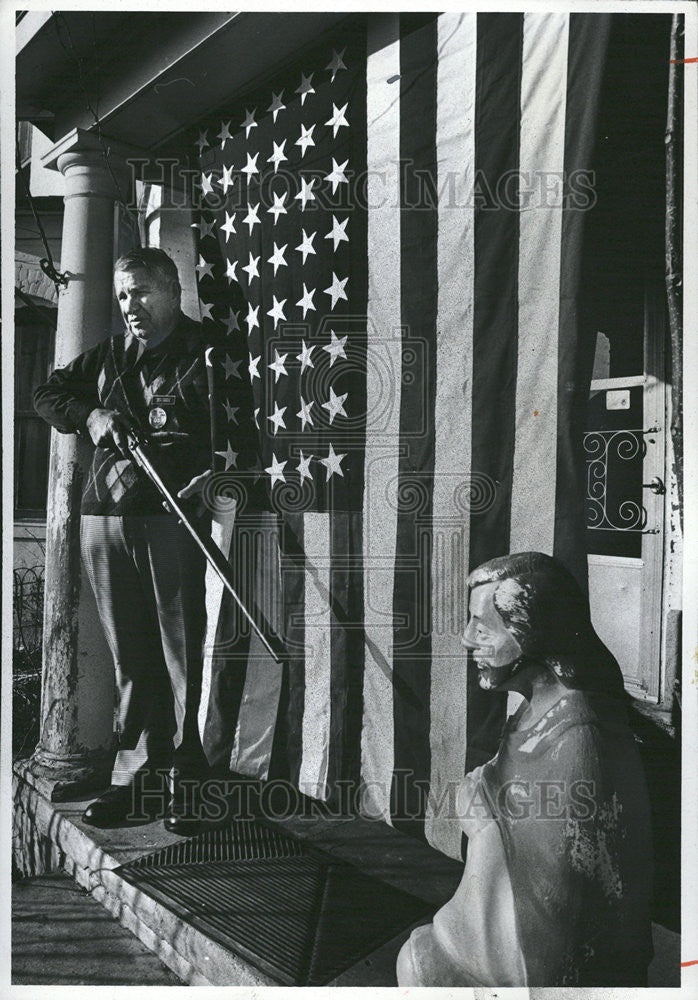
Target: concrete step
x,y
51,835
63,937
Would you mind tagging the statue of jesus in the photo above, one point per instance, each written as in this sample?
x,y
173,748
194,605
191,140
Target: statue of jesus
x,y
557,883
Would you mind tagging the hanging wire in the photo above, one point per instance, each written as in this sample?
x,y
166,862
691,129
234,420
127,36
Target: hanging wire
x,y
59,279
93,110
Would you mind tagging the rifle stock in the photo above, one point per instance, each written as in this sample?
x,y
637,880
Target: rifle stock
x,y
141,454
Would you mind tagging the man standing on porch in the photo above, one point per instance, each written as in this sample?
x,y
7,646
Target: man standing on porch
x,y
146,572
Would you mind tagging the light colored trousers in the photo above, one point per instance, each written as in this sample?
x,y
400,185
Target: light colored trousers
x,y
148,578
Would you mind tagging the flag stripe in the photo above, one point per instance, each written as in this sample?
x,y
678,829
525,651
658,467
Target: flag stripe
x,y
497,126
225,659
346,601
382,406
418,279
497,121
318,699
257,718
293,568
541,162
588,42
452,419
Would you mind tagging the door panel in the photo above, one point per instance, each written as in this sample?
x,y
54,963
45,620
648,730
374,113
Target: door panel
x,y
625,452
615,594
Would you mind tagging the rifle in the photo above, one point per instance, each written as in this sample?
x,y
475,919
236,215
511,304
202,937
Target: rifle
x,y
138,447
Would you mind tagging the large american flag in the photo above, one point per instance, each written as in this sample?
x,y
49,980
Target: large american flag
x,y
389,238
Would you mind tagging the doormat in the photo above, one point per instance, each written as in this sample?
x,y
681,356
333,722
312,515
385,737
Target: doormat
x,y
290,909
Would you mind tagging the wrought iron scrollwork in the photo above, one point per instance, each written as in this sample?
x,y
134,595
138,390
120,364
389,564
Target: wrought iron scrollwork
x,y
600,447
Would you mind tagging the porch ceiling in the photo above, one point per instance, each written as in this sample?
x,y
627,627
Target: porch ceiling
x,y
149,76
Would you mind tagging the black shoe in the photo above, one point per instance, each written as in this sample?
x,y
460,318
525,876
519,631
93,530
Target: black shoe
x,y
184,813
183,826
112,806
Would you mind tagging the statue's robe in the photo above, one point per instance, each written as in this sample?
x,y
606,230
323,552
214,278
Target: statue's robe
x,y
556,889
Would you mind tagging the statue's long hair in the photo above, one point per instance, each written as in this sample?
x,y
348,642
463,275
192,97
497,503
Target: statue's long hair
x,y
544,607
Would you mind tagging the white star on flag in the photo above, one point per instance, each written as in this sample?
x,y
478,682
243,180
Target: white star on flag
x,y
256,414
332,463
277,258
207,356
231,369
307,300
251,320
206,185
227,180
232,323
304,413
202,141
306,139
304,467
304,357
277,313
335,405
338,118
253,368
276,470
306,245
203,268
276,104
205,228
251,166
305,87
231,267
252,218
335,348
249,121
277,417
230,457
337,175
251,268
306,192
336,63
278,207
230,412
336,289
278,156
338,233
278,366
229,227
206,308
224,133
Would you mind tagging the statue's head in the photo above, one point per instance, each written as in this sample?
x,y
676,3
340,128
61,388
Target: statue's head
x,y
527,607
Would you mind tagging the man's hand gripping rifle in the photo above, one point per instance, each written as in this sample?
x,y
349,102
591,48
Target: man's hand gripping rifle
x,y
142,455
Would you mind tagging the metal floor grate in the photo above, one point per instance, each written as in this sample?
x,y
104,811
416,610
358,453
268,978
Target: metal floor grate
x,y
289,909
243,840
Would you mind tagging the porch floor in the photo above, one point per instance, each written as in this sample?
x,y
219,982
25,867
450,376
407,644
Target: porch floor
x,y
63,937
89,855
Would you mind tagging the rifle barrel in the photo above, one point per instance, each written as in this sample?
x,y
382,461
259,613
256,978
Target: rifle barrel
x,y
209,548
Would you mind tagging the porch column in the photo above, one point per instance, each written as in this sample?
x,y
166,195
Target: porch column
x,y
77,698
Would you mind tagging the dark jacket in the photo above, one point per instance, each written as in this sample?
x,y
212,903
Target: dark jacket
x,y
170,379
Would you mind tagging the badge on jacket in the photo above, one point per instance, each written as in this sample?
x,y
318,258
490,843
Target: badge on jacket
x,y
157,418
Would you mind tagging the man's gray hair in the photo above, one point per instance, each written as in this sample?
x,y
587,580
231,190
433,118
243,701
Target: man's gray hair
x,y
152,260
